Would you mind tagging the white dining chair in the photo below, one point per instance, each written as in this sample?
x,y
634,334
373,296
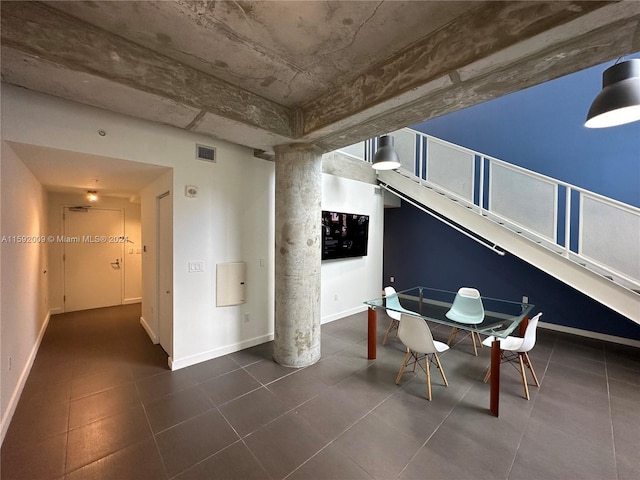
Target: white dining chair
x,y
466,308
394,310
416,335
512,348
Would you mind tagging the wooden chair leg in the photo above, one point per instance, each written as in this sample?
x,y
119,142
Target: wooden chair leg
x,y
404,365
524,376
391,325
428,371
479,338
473,340
530,365
452,335
444,377
486,377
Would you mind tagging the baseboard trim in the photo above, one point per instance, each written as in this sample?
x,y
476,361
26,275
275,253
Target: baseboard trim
x,y
147,328
15,396
345,313
177,364
586,333
129,301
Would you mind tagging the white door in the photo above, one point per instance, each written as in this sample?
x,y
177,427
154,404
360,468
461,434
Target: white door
x,y
92,258
165,273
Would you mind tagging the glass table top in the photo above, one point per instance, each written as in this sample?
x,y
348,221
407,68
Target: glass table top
x,y
501,316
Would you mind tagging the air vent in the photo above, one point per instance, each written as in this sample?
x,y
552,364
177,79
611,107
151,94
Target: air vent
x,y
208,154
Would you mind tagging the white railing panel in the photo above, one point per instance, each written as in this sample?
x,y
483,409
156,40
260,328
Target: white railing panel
x,y
356,150
405,144
526,202
524,199
451,167
610,235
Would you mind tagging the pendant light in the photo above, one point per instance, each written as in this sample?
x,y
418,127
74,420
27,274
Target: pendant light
x,y
386,158
619,101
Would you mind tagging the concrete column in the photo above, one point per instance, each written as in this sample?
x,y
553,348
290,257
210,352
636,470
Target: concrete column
x,y
298,254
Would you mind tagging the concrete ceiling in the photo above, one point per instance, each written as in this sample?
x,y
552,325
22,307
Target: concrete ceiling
x,y
331,73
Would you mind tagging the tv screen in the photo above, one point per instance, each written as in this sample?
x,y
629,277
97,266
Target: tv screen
x,y
344,235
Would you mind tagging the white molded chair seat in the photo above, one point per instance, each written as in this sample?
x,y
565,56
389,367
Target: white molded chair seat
x,y
518,347
466,308
416,335
393,302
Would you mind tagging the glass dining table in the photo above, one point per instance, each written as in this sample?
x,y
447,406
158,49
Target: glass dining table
x,y
502,318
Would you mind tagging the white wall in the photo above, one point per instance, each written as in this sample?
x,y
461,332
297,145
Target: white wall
x,y
347,282
132,262
231,219
23,279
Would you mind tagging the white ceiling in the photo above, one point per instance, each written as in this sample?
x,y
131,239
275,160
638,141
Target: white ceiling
x,y
73,172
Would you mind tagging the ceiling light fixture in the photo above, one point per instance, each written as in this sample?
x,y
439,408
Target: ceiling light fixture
x,y
619,100
386,158
92,195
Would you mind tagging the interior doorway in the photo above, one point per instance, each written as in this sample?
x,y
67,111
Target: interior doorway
x,y
93,257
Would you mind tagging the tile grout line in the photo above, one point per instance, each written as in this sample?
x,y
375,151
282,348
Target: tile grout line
x,y
434,431
524,430
341,433
153,434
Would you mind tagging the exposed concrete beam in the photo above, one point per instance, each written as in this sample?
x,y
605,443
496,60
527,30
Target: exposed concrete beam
x,y
497,49
589,40
475,35
39,31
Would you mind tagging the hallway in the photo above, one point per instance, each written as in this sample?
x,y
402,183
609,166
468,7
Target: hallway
x,y
100,403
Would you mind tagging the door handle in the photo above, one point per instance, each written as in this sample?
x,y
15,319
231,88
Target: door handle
x,y
116,263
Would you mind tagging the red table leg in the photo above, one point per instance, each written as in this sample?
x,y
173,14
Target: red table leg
x,y
372,333
494,396
496,360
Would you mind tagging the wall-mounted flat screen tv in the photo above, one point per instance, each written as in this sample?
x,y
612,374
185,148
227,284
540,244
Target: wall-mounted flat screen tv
x,y
344,235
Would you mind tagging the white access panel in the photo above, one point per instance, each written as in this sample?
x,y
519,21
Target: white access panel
x,y
230,283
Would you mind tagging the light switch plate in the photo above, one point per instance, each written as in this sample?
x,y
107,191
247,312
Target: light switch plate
x,y
195,267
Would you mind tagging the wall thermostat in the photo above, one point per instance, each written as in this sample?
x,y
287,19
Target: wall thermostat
x,y
191,191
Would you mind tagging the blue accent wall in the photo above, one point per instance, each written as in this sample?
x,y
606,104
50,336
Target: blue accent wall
x,y
541,129
420,250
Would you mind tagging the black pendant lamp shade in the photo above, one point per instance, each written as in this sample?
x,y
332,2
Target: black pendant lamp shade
x,y
386,158
619,101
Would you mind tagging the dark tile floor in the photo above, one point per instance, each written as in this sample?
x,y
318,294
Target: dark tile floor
x,y
101,404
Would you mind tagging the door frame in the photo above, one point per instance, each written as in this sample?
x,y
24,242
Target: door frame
x,y
163,264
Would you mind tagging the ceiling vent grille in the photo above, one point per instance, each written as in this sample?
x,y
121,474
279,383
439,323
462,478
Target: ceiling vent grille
x,y
207,154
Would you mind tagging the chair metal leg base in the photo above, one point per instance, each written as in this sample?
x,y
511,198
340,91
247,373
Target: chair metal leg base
x,y
394,324
473,333
523,360
416,361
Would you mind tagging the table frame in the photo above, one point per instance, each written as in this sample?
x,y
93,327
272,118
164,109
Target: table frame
x,y
496,356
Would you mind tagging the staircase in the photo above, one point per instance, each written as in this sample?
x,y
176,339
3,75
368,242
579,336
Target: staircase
x,y
583,239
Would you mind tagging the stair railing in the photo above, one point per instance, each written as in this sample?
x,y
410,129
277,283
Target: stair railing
x,y
597,232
